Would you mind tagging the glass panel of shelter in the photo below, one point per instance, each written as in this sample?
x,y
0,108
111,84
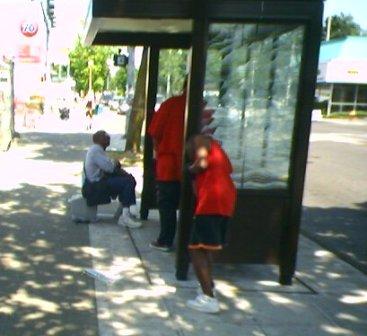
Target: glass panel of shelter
x,y
251,87
173,67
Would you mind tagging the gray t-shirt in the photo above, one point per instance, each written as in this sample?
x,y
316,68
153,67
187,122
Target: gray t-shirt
x,y
97,163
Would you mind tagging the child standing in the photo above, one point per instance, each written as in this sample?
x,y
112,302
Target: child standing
x,y
215,203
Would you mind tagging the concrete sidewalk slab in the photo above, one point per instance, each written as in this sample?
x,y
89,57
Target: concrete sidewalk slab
x,y
328,296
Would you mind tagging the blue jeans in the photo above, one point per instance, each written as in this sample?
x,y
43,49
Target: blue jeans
x,y
122,187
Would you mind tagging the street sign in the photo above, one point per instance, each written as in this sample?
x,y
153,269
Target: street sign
x,y
28,28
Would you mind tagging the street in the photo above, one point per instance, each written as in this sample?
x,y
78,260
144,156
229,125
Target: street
x,y
335,202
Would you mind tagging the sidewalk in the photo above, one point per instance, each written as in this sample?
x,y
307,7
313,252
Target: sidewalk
x,y
43,255
328,297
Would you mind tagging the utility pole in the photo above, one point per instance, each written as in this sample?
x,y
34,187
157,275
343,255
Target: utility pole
x,y
130,71
90,66
328,29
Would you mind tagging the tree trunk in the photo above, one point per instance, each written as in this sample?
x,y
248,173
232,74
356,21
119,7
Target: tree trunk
x,y
130,70
133,138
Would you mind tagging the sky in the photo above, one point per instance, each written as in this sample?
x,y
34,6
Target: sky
x,y
357,8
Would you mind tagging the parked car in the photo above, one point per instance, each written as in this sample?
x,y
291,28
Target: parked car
x,y
159,100
106,98
125,105
64,113
115,103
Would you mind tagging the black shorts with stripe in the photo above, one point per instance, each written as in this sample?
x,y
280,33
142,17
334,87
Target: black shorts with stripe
x,y
208,232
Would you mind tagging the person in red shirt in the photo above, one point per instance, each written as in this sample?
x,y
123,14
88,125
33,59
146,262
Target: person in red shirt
x,y
167,131
215,203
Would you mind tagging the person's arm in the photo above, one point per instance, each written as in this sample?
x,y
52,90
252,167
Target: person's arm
x,y
103,162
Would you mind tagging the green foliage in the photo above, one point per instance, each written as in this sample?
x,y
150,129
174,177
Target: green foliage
x,y
79,70
342,25
347,115
172,71
118,82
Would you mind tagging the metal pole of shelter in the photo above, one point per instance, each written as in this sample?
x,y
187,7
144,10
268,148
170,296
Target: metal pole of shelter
x,y
330,100
194,105
148,193
301,133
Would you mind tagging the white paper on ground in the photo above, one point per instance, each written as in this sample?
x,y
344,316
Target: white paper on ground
x,y
106,277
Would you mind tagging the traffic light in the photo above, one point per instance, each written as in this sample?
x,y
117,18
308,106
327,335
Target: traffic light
x,y
120,60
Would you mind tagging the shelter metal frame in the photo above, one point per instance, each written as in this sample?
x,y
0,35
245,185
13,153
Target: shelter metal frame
x,y
287,204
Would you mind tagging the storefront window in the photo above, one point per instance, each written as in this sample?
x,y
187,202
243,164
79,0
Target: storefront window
x,y
252,79
362,94
344,93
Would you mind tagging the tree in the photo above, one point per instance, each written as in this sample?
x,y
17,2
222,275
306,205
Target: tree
x,y
79,70
342,25
133,138
172,70
118,82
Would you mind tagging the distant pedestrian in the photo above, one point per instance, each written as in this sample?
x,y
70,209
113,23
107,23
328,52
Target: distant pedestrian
x,y
89,113
215,202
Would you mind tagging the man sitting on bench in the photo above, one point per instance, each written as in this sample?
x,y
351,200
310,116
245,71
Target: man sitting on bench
x,y
105,179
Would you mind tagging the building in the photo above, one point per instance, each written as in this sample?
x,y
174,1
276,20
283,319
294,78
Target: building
x,y
342,75
27,25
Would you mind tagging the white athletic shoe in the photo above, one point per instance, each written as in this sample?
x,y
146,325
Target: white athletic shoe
x,y
204,304
127,221
134,211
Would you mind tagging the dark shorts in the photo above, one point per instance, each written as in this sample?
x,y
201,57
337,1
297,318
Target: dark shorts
x,y
208,232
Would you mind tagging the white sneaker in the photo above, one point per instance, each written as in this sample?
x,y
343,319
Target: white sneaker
x,y
205,304
134,211
127,221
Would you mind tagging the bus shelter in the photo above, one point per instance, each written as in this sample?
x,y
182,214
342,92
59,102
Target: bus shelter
x,y
254,64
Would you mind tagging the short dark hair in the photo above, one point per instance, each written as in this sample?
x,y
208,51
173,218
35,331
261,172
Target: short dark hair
x,y
98,135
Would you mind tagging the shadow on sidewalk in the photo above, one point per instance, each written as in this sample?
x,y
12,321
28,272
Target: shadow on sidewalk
x,y
58,147
340,230
43,290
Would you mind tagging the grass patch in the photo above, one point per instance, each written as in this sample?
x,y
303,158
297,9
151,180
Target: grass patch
x,y
347,115
127,159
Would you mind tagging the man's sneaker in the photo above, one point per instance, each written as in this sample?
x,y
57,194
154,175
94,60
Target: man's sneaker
x,y
205,304
134,211
127,221
160,247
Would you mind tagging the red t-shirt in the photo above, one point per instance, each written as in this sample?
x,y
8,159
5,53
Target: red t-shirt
x,y
167,128
216,192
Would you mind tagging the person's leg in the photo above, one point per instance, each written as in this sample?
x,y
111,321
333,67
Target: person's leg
x,y
206,301
124,188
201,261
168,198
127,196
